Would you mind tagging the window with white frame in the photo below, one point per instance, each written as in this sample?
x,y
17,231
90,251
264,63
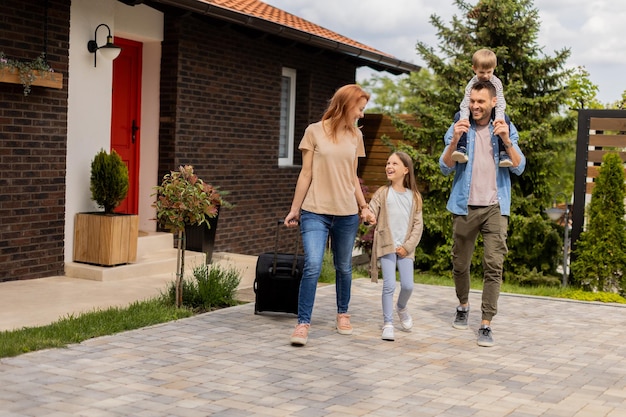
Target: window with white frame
x,y
287,116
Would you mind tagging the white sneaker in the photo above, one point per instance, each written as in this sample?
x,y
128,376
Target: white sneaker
x,y
388,332
459,157
405,318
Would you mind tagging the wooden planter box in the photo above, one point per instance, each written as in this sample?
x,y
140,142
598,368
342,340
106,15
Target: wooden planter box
x,y
49,79
105,240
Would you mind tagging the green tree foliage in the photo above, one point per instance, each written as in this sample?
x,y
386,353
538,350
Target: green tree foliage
x,y
583,93
535,86
109,180
601,250
394,95
389,94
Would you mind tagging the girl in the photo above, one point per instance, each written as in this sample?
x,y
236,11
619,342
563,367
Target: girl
x,y
397,208
326,203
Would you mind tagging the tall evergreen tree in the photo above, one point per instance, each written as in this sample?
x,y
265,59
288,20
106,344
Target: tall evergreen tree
x,y
535,87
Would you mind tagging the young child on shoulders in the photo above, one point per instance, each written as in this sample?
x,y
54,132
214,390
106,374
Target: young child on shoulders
x,y
484,63
397,213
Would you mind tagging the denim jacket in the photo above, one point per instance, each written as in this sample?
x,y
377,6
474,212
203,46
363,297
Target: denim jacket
x,y
459,195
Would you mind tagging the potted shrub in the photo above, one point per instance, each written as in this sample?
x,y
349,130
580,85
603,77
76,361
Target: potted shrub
x,y
185,200
107,238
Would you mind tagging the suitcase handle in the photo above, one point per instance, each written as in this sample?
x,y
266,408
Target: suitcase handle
x,y
295,254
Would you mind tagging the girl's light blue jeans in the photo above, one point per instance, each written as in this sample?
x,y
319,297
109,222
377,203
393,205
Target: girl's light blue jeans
x,y
316,229
388,265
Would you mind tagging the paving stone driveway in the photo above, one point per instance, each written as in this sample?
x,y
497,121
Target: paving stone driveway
x,y
552,358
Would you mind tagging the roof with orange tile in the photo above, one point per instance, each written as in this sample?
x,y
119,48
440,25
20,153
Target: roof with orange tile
x,y
262,16
263,10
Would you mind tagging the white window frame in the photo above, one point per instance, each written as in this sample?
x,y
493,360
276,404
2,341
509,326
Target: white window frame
x,y
289,73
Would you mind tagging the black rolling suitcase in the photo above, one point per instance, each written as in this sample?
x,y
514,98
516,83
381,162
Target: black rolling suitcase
x,y
277,279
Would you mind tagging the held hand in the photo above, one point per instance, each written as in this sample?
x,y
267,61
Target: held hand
x,y
501,129
401,252
292,219
368,217
460,127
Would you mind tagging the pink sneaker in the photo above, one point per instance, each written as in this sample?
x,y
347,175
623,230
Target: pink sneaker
x,y
300,335
343,323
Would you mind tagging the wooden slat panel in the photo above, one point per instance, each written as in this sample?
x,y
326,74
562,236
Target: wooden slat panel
x,y
589,187
615,141
596,156
598,123
592,172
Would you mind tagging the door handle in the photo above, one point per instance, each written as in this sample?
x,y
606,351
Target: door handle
x,y
134,130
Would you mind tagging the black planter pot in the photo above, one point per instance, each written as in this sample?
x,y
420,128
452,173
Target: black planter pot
x,y
201,238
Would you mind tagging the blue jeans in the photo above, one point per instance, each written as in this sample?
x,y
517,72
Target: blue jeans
x,y
388,264
315,229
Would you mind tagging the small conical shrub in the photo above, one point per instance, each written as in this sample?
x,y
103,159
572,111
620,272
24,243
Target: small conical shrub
x,y
600,253
109,180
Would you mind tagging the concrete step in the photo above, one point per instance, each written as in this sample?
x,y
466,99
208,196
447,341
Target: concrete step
x,y
158,263
156,257
149,242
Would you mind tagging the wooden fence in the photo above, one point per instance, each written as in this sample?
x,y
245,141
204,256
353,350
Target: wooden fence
x,y
372,168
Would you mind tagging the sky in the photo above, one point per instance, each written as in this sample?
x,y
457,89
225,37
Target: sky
x,y
591,29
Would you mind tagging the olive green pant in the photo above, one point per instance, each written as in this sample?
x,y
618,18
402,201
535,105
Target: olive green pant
x,y
465,229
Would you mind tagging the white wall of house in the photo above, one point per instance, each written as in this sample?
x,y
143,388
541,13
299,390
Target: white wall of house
x,y
89,102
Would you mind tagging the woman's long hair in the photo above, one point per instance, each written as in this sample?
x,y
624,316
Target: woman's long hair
x,y
344,99
409,181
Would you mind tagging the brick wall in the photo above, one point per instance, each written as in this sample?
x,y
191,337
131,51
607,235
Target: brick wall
x,y
220,112
33,133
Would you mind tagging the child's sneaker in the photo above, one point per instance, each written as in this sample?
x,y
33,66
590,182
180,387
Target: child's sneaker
x,y
405,318
505,160
388,332
460,155
300,335
343,324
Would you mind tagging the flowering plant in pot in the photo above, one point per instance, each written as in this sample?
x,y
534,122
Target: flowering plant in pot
x,y
183,199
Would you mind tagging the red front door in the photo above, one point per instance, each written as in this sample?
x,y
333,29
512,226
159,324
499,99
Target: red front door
x,y
126,116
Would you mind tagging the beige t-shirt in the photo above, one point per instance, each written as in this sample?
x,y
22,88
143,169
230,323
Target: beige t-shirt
x,y
333,173
483,190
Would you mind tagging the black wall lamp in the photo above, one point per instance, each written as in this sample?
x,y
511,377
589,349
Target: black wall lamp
x,y
110,51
